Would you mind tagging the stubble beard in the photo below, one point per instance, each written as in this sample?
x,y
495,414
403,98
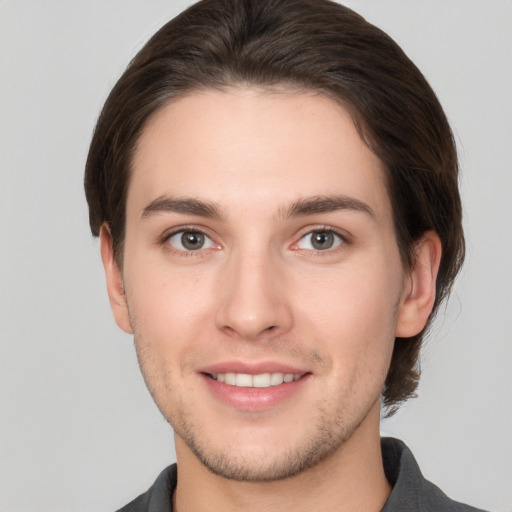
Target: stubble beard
x,y
320,441
314,449
332,429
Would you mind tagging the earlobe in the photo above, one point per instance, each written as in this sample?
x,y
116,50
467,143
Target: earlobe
x,y
114,279
419,290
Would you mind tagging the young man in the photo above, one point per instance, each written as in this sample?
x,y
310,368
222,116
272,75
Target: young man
x,y
274,185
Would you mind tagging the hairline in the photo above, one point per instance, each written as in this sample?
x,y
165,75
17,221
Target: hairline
x,y
278,88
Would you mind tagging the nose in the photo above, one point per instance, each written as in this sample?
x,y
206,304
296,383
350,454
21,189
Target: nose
x,y
253,302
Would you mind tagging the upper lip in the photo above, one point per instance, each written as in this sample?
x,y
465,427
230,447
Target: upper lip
x,y
250,368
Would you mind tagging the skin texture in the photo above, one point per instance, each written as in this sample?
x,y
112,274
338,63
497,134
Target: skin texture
x,y
258,293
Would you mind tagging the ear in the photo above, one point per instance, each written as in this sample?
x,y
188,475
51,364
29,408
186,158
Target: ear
x,y
114,278
419,291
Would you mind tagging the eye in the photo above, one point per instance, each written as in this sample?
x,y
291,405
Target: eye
x,y
321,240
190,241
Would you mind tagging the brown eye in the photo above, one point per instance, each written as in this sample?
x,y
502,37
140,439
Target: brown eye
x,y
190,241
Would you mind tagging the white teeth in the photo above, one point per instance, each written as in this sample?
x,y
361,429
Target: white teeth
x,y
262,380
276,379
243,380
230,378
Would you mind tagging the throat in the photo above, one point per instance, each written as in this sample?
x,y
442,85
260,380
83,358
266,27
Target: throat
x,y
352,478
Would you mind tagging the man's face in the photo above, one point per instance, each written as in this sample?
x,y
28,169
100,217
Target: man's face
x,y
260,249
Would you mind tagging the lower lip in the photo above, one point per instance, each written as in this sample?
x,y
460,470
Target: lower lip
x,y
253,399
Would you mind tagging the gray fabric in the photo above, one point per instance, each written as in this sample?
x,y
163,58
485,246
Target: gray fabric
x,y
411,492
158,498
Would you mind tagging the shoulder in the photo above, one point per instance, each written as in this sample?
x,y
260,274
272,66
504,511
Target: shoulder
x,y
411,491
158,498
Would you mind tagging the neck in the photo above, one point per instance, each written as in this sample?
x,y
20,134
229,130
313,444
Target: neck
x,y
350,479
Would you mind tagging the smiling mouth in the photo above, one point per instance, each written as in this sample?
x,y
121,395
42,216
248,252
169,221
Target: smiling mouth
x,y
262,380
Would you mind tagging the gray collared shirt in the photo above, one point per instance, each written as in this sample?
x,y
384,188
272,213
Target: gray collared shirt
x,y
411,492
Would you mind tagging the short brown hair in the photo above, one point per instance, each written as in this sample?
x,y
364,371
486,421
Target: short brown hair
x,y
314,45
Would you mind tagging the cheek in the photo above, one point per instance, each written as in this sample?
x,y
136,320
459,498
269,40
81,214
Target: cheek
x,y
168,308
354,315
168,315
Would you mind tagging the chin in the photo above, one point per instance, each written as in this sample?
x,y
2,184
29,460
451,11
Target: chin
x,y
262,461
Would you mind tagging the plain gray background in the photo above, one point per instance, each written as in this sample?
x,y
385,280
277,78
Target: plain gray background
x,y
78,430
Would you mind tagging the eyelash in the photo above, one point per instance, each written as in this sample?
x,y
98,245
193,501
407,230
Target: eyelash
x,y
183,252
343,240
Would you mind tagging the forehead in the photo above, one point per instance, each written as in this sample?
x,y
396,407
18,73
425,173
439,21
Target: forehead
x,y
244,147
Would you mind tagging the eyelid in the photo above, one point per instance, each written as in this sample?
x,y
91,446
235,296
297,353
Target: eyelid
x,y
164,240
345,238
342,235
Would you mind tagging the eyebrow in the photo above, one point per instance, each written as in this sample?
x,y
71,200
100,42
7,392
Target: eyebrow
x,y
325,204
300,208
166,204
